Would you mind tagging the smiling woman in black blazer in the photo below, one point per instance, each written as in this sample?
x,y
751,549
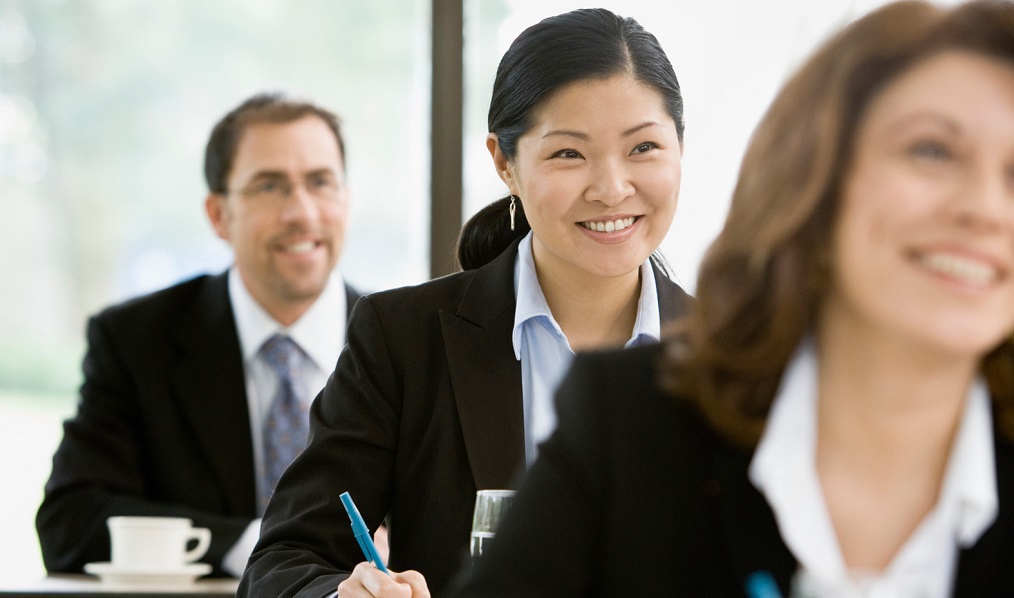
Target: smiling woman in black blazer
x,y
439,391
836,414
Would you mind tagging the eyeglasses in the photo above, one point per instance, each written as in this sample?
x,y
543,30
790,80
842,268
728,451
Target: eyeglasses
x,y
278,189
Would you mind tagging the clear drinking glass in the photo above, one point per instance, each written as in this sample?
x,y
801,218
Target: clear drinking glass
x,y
490,508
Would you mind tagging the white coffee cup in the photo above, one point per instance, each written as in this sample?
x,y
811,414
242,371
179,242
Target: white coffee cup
x,y
156,543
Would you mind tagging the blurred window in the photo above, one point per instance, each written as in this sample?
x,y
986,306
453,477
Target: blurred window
x,y
105,108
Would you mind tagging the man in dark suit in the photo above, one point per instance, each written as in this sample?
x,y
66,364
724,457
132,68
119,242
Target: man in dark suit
x,y
173,417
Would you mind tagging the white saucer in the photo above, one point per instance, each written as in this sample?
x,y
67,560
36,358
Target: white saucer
x,y
111,574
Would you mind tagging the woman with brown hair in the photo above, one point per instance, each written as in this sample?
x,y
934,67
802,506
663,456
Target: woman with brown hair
x,y
835,414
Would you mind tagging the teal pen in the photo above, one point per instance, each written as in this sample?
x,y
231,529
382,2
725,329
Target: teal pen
x,y
760,584
362,533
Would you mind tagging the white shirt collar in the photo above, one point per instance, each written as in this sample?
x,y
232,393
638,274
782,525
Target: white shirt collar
x,y
531,302
970,479
319,332
783,469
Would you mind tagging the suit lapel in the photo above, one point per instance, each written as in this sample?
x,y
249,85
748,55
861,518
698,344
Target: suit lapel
x,y
209,383
744,522
485,375
984,568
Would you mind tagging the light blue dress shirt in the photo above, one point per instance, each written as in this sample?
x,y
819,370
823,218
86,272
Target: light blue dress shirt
x,y
544,351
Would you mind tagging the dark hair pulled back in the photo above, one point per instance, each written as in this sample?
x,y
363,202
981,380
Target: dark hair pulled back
x,y
589,43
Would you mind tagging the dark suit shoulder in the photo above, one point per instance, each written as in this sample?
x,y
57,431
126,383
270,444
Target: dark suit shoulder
x,y
439,291
622,372
479,296
158,304
625,386
155,327
407,320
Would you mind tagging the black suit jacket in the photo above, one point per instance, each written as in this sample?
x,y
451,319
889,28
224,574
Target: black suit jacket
x,y
634,495
162,427
424,408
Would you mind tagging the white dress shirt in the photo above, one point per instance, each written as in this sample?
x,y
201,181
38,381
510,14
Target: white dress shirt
x,y
784,470
320,333
543,349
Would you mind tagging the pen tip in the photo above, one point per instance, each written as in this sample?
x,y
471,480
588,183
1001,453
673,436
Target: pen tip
x,y
760,584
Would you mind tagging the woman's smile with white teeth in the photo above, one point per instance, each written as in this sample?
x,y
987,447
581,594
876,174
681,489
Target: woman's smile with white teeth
x,y
967,270
609,226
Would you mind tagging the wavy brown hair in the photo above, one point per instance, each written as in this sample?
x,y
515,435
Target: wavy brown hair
x,y
763,279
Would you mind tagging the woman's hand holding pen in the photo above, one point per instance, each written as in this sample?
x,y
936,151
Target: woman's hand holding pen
x,y
367,581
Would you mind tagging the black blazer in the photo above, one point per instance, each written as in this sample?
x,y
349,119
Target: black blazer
x,y
634,495
423,408
162,427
